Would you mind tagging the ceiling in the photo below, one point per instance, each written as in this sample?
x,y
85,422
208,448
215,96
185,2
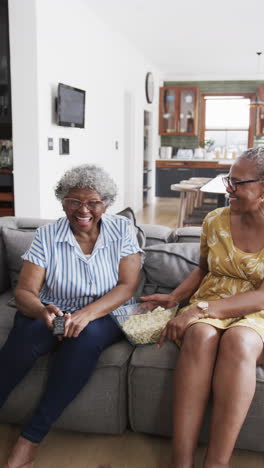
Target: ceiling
x,y
192,39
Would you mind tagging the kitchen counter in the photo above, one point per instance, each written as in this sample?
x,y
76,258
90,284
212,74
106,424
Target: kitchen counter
x,y
192,163
173,171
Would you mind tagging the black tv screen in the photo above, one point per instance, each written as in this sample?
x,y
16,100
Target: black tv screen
x,y
70,106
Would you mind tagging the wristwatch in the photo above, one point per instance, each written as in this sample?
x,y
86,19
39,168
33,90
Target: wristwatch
x,y
203,305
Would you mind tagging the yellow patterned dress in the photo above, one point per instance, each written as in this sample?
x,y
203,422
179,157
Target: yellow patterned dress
x,y
231,271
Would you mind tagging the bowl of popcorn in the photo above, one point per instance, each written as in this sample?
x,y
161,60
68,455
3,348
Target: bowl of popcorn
x,y
142,325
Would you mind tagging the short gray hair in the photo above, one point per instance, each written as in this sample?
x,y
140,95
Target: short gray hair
x,y
87,176
256,155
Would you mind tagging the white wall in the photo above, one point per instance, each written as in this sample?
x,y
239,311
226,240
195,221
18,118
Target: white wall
x,y
55,41
25,114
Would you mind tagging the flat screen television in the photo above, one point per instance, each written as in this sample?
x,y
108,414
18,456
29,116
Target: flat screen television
x,y
70,106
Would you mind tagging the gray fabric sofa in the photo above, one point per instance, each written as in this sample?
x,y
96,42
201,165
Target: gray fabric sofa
x,y
132,386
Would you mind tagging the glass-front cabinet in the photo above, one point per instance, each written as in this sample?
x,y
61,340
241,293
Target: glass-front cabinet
x,y
178,110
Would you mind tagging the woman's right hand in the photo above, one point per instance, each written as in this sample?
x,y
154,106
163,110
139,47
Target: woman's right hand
x,y
164,300
49,313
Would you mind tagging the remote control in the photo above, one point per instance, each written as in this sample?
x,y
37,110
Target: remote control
x,y
59,326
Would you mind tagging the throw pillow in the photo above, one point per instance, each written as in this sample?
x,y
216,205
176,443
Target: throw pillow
x,y
141,237
167,265
16,242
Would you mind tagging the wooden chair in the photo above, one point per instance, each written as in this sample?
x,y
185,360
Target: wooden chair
x,y
188,193
192,208
197,198
199,181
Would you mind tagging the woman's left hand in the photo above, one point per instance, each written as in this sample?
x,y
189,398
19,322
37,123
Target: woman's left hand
x,y
75,323
177,326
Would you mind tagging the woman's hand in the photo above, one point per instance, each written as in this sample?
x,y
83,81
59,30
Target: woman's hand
x,y
177,326
49,313
75,323
163,300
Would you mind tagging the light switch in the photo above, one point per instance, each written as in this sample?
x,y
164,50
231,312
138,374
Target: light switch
x,y
50,144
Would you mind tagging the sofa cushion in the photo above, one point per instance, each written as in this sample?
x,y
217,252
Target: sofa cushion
x,y
150,373
100,407
141,237
167,265
16,242
157,234
186,234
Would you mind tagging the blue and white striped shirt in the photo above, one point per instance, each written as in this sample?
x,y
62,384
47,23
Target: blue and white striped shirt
x,y
72,280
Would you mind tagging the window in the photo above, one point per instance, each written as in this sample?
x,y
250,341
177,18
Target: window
x,y
228,121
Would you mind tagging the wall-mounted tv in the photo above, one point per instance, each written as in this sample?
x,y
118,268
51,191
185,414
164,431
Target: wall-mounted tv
x,y
70,106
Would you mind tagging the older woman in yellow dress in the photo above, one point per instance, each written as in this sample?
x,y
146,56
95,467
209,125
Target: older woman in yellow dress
x,y
222,329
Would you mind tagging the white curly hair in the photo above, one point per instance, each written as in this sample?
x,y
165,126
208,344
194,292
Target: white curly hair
x,y
87,176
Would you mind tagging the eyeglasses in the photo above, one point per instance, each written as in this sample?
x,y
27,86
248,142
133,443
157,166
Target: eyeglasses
x,y
229,182
74,204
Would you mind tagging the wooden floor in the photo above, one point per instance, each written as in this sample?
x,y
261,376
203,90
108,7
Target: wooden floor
x,y
75,450
162,211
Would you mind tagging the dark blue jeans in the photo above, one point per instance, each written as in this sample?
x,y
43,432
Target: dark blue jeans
x,y
73,363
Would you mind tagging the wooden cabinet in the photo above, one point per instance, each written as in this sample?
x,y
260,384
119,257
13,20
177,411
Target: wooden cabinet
x,y
6,193
260,112
165,176
178,110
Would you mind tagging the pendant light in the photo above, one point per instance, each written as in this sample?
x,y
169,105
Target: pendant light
x,y
257,102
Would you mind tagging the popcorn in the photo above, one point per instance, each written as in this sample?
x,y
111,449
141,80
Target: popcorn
x,y
146,328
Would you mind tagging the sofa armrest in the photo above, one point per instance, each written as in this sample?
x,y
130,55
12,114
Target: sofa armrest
x,y
5,221
19,225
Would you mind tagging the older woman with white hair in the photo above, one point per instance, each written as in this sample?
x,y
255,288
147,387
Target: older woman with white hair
x,y
221,331
81,267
